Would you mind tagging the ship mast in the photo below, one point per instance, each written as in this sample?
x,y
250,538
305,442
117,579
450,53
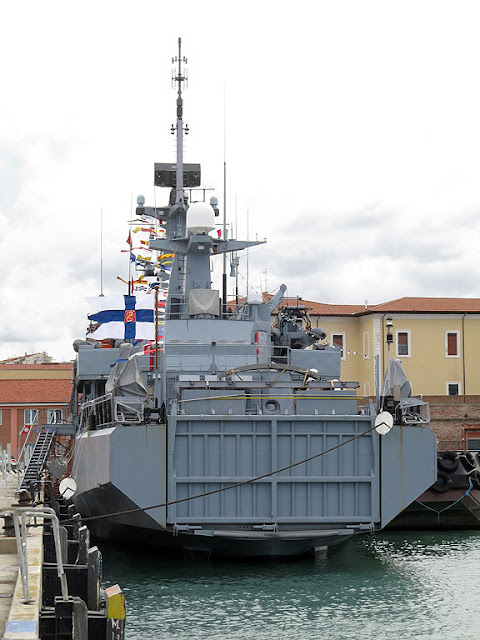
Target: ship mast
x,y
192,247
179,78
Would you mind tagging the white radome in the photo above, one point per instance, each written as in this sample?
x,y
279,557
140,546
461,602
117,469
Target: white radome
x,y
200,218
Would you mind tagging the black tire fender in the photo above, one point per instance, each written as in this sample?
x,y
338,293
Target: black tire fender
x,y
443,482
468,461
475,477
448,461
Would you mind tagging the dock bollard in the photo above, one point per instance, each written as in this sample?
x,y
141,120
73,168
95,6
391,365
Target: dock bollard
x,y
115,613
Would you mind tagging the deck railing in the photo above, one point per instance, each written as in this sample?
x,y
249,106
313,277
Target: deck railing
x,y
109,410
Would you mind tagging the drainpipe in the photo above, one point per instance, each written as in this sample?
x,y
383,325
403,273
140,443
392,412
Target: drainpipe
x,y
383,347
463,357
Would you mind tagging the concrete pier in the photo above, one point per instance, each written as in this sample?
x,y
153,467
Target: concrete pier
x,y
50,580
18,620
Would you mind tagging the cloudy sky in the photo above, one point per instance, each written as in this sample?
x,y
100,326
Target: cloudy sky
x,y
351,132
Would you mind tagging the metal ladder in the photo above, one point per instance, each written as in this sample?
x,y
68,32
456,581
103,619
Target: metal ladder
x,y
39,456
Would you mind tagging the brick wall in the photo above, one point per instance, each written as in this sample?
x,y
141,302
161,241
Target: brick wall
x,y
449,414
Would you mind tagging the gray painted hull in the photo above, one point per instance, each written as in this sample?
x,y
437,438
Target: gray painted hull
x,y
215,542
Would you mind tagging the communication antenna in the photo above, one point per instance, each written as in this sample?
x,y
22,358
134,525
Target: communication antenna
x,y
265,273
248,238
101,252
236,255
179,77
224,275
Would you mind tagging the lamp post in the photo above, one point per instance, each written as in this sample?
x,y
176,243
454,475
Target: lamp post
x,y
389,342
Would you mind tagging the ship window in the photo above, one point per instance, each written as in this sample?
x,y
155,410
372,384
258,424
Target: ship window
x,y
453,389
338,340
452,349
403,343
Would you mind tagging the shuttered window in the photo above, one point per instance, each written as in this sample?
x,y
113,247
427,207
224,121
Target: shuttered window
x,y
403,343
452,348
338,340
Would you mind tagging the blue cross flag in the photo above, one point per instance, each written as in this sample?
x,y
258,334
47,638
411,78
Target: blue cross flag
x,y
124,317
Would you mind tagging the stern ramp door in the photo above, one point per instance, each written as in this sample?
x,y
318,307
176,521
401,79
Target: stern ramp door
x,y
210,452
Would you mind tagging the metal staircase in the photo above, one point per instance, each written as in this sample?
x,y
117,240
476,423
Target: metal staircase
x,y
39,456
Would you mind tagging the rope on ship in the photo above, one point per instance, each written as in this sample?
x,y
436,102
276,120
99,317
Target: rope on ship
x,y
231,486
449,506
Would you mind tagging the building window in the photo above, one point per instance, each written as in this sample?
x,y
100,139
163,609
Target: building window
x,y
366,389
0,416
31,416
453,389
338,340
403,344
366,345
452,344
54,416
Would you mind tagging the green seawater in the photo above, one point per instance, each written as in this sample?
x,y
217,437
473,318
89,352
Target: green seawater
x,y
387,586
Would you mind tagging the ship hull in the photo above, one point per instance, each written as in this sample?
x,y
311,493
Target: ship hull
x,y
126,475
138,531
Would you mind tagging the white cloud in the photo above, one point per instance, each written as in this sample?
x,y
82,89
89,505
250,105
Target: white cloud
x,y
351,139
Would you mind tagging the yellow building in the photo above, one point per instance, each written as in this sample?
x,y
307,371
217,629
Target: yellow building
x,y
436,339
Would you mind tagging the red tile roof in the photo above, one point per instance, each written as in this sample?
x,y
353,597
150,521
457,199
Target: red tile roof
x,y
325,309
426,305
32,391
400,305
313,308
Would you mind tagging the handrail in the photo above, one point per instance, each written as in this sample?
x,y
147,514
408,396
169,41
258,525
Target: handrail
x,y
22,452
44,429
111,410
21,538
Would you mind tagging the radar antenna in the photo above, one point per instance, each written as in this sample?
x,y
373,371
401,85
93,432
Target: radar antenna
x,y
179,76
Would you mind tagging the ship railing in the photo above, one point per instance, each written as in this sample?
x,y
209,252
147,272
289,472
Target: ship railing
x,y
109,410
413,411
202,357
178,307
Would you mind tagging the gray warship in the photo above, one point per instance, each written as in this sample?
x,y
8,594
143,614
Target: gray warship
x,y
235,436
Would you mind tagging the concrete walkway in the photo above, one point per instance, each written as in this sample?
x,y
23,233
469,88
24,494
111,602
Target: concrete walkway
x,y
18,620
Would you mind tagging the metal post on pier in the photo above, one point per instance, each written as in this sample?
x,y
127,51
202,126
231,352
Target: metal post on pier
x,y
116,613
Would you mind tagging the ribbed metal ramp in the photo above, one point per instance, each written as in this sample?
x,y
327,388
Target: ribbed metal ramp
x,y
39,456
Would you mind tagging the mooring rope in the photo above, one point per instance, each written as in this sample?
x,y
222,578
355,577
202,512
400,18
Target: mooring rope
x,y
439,511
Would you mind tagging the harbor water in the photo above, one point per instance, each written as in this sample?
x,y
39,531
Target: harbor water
x,y
392,585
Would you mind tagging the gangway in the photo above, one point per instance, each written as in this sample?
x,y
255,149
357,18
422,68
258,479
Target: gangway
x,y
39,455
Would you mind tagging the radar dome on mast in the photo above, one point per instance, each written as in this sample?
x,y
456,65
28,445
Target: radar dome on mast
x,y
200,218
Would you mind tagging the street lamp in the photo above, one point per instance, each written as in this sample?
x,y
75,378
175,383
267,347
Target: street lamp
x,y
389,342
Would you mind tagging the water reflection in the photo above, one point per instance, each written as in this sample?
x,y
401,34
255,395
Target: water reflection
x,y
390,586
